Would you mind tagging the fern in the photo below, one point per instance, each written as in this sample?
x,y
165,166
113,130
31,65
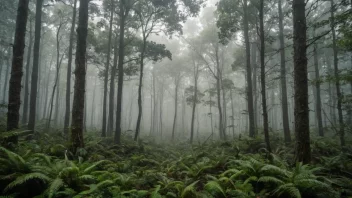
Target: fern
x,y
54,187
189,191
26,178
155,193
215,189
270,179
290,189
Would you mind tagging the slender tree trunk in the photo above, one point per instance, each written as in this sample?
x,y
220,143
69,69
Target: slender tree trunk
x,y
93,104
249,71
47,89
317,88
218,94
262,75
123,15
233,115
303,152
69,71
26,83
284,105
13,115
140,88
34,78
254,79
106,73
336,74
8,70
161,110
177,80
195,98
112,91
80,79
211,115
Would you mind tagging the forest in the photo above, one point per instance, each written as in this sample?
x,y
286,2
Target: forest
x,y
175,98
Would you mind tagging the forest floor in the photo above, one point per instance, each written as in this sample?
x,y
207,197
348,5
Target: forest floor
x,y
42,167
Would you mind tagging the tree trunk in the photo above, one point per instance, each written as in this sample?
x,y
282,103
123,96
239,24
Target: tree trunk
x,y
177,80
93,104
233,115
13,115
8,70
284,105
123,15
336,74
80,79
26,83
112,91
254,80
69,71
106,74
302,148
262,75
140,88
195,72
249,71
34,78
317,88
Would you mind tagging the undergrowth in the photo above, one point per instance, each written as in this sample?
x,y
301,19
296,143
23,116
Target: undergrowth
x,y
43,167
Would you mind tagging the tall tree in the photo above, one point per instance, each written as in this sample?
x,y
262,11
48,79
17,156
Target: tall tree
x,y
106,73
17,66
34,78
336,75
110,127
69,70
301,110
262,74
124,10
80,79
284,103
26,83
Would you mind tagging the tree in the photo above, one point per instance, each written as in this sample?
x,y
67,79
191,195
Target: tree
x,y
69,70
34,78
17,66
125,7
284,102
106,73
154,17
229,12
301,111
26,83
80,79
262,74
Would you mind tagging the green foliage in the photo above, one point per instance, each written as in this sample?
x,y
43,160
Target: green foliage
x,y
153,170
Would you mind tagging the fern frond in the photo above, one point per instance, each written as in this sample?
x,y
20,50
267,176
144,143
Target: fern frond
x,y
215,189
87,178
92,167
189,191
54,187
13,157
155,193
25,178
270,179
274,170
290,189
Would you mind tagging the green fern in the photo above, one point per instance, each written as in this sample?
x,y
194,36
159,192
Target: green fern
x,y
215,189
190,191
54,187
26,178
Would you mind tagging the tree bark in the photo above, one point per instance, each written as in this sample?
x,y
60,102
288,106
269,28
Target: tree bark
x,y
336,74
140,88
69,71
249,71
80,79
34,78
112,91
8,70
106,74
317,88
195,98
177,81
26,83
284,105
124,13
262,76
13,115
302,147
